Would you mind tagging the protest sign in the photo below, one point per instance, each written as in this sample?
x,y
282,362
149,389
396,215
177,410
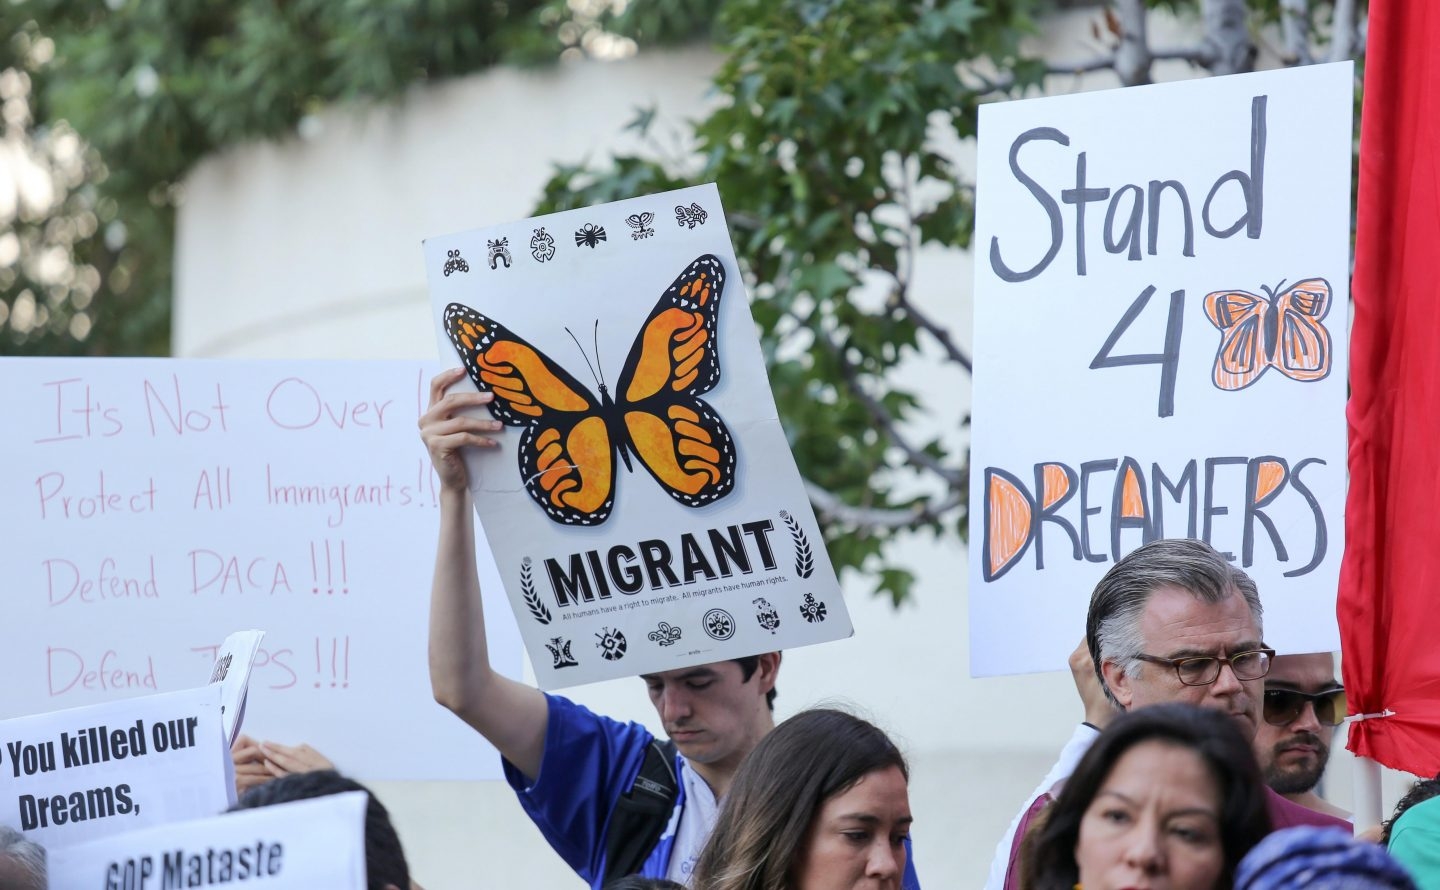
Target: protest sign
x,y
644,510
232,671
155,505
69,776
1160,348
289,846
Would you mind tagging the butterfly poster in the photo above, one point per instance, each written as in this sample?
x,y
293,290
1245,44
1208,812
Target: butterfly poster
x,y
644,510
1161,295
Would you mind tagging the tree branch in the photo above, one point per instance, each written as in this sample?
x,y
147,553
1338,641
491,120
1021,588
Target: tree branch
x,y
1342,36
900,299
1295,28
832,508
1227,33
929,326
1132,57
882,417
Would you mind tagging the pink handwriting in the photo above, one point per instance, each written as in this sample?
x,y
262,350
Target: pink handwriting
x,y
221,573
294,404
65,582
102,502
66,669
91,414
273,663
182,417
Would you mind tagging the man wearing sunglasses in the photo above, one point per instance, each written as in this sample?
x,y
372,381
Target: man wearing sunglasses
x,y
1303,705
1173,621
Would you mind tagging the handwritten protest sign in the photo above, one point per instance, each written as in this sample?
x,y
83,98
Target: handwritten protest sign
x,y
288,846
644,510
69,776
155,505
1160,348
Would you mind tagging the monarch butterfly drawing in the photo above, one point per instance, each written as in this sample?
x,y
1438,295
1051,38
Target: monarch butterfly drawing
x,y
1282,329
568,450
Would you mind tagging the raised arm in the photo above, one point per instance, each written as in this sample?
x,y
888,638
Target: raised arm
x,y
511,715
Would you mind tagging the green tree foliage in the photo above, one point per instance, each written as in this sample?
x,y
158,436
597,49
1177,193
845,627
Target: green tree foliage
x,y
825,147
106,106
825,143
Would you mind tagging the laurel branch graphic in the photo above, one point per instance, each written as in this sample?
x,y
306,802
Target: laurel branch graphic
x,y
804,556
532,599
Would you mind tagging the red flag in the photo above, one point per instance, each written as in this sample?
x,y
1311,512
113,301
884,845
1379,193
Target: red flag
x,y
1389,599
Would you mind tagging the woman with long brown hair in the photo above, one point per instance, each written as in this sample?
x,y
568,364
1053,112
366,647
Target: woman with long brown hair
x,y
822,803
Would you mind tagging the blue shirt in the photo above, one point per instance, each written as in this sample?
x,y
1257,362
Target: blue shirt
x,y
588,763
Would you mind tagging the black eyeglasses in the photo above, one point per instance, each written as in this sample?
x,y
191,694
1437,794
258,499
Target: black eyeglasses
x,y
1202,670
1282,706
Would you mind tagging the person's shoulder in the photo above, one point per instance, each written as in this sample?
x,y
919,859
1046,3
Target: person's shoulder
x,y
1285,813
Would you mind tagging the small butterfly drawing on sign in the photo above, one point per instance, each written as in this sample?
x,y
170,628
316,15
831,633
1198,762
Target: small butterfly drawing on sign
x,y
640,222
1283,330
573,442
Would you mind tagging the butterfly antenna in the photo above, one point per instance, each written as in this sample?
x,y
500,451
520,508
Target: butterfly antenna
x,y
582,354
599,363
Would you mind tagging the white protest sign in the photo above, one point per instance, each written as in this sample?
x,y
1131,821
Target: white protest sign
x,y
69,776
1161,291
289,846
155,505
232,671
644,509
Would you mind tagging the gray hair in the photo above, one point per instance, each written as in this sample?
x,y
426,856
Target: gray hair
x,y
1112,626
26,855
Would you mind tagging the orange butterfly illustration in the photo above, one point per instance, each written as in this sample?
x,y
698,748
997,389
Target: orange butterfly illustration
x,y
571,440
1282,329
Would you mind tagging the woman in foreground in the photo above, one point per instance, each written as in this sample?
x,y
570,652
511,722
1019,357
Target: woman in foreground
x,y
822,803
1168,798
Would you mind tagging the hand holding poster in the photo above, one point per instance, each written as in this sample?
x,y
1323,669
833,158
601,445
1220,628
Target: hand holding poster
x,y
659,524
304,844
1160,306
74,775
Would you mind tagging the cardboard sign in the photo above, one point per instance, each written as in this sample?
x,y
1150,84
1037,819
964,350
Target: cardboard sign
x,y
1161,291
644,510
304,844
232,671
70,776
155,505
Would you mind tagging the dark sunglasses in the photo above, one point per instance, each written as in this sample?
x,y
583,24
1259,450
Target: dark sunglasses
x,y
1282,706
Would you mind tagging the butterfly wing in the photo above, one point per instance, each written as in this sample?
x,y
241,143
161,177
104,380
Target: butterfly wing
x,y
1304,349
566,455
680,439
1240,316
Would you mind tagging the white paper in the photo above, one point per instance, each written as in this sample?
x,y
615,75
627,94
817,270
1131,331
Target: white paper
x,y
302,844
232,671
155,505
1239,438
627,578
70,776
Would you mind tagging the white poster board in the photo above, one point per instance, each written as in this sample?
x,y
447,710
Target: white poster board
x,y
231,671
156,505
644,509
74,775
289,846
1161,292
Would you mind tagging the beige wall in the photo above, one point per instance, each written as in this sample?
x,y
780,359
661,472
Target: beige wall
x,y
311,249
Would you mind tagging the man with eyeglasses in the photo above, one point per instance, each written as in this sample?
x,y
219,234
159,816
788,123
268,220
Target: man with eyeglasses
x,y
1173,621
1303,705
